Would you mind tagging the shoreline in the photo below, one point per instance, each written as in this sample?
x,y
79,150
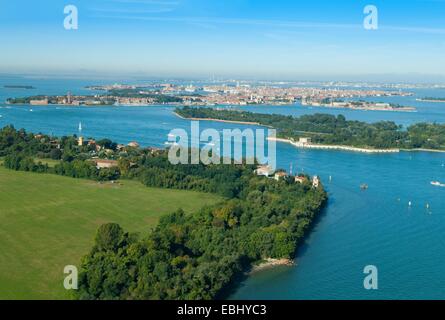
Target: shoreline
x,y
431,101
350,148
423,150
333,147
225,121
402,109
269,264
316,146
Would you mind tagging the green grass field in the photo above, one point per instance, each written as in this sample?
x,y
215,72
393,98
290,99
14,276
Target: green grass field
x,y
49,221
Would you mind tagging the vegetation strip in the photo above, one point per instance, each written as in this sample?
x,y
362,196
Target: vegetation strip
x,y
329,130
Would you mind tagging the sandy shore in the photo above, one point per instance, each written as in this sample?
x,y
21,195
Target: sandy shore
x,y
270,263
334,147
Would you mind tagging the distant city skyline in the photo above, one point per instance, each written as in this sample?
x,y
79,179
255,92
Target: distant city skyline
x,y
254,39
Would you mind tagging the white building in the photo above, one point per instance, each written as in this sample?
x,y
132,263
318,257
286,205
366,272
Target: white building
x,y
264,171
280,175
305,141
315,182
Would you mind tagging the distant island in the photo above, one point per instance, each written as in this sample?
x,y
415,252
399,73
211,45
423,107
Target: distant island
x,y
356,105
43,100
210,95
18,87
432,99
333,132
114,97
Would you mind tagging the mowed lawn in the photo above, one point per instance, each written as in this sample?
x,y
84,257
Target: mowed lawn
x,y
48,222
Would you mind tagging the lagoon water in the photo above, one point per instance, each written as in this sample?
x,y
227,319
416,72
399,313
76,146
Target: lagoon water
x,y
358,228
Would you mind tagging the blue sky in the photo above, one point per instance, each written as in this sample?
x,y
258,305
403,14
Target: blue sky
x,y
280,39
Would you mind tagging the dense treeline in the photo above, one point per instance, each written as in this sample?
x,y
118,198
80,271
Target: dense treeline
x,y
186,256
136,93
335,130
197,256
26,152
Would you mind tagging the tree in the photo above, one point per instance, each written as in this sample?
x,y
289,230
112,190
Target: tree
x,y
55,154
109,237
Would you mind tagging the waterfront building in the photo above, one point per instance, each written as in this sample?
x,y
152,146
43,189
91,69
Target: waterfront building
x,y
301,179
133,144
42,102
280,175
315,182
264,171
305,141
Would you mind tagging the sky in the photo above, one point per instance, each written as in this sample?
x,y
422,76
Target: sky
x,y
279,39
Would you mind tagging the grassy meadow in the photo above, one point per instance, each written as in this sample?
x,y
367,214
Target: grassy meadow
x,y
48,221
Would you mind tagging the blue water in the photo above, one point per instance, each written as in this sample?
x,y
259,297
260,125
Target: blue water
x,y
358,228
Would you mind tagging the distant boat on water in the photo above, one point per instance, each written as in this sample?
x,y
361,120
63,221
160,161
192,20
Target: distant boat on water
x,y
437,184
364,186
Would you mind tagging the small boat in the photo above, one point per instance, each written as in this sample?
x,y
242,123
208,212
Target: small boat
x,y
364,186
437,184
